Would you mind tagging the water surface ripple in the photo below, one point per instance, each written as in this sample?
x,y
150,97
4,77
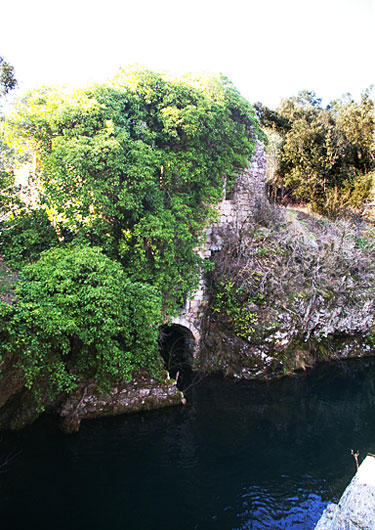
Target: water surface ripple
x,y
240,455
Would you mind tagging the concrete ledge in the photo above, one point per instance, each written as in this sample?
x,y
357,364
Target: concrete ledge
x,y
356,509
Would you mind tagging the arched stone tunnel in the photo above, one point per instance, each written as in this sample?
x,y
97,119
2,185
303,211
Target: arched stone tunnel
x,y
178,345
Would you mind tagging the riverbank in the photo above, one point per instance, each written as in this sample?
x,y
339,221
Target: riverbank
x,y
288,291
19,407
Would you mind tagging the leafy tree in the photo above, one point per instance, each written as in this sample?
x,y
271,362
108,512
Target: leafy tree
x,y
7,83
126,177
79,315
327,155
133,167
136,165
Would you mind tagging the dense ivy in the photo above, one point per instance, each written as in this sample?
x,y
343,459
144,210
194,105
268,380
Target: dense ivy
x,y
25,235
136,165
125,177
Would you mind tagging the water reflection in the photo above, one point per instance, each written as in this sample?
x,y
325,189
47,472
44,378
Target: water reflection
x,y
238,456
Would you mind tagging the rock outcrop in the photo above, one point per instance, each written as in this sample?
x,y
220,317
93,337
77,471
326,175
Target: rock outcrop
x,y
18,406
355,510
142,393
288,290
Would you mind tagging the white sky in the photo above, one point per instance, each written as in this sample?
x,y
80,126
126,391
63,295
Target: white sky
x,y
269,48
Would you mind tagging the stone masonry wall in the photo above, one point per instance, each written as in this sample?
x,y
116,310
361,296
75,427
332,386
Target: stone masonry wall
x,y
249,190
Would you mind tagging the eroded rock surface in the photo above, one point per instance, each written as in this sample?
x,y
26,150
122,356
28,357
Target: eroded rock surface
x,y
356,509
19,408
142,393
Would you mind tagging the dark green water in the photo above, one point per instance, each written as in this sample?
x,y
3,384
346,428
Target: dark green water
x,y
239,456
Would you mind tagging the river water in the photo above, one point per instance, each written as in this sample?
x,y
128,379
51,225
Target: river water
x,y
240,455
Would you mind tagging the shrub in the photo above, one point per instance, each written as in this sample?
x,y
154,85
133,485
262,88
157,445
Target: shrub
x,y
78,315
25,235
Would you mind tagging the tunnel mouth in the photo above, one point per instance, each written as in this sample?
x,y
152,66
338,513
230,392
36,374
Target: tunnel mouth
x,y
177,350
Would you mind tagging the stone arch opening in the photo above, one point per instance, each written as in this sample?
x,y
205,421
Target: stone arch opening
x,y
177,348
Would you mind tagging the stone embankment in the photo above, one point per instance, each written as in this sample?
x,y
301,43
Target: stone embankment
x,y
143,393
356,509
19,408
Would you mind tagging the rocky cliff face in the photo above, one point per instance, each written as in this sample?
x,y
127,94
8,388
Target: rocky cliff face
x,y
288,290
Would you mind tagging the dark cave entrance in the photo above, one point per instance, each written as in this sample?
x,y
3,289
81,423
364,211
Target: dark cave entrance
x,y
177,349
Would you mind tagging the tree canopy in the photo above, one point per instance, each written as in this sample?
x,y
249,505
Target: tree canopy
x,y
326,155
125,176
135,166
7,77
76,314
7,83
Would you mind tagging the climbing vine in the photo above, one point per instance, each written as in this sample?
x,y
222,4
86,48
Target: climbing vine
x,y
233,302
125,177
135,166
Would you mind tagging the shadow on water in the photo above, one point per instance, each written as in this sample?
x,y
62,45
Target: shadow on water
x,y
240,455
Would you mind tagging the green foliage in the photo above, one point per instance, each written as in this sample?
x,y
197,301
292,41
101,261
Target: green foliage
x,y
232,302
7,83
25,235
133,168
327,156
79,315
136,165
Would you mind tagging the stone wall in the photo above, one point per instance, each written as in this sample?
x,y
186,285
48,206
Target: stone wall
x,y
249,191
142,393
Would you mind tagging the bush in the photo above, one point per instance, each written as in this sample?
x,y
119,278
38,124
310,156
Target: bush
x,y
78,315
25,236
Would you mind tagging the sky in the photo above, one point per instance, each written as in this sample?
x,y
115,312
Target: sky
x,y
270,49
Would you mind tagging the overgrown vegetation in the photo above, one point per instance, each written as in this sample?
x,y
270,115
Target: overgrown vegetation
x,y
25,235
77,314
301,281
322,156
135,166
123,177
7,83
